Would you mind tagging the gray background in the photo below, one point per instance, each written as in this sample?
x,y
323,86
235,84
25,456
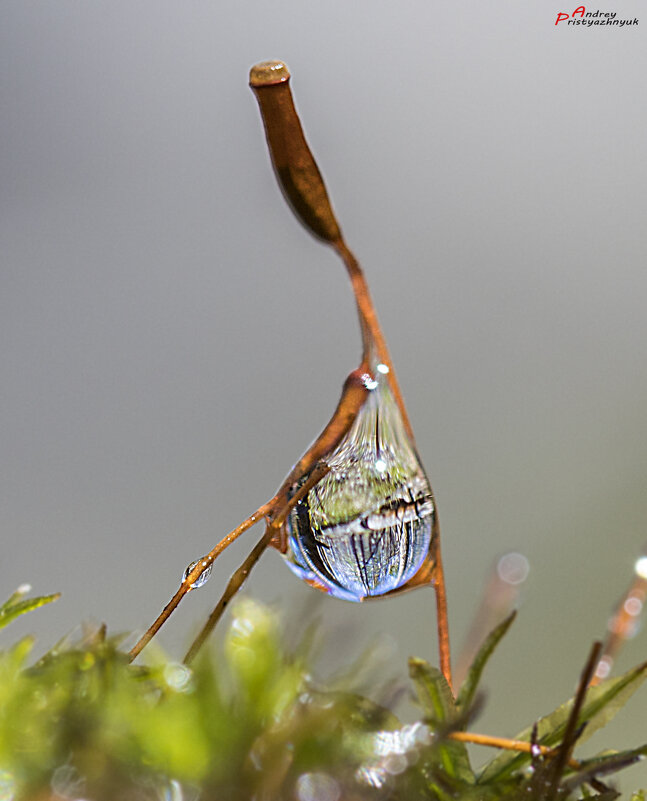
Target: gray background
x,y
171,339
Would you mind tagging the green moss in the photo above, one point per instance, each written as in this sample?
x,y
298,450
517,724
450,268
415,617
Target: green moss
x,y
83,723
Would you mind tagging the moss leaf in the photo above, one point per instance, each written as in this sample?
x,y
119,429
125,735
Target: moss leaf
x,y
433,692
448,758
601,705
470,685
15,606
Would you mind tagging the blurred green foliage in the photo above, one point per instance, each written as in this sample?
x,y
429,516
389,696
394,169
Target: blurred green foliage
x,y
250,722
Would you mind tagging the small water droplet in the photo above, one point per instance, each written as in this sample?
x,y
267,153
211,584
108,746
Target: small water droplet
x,y
7,786
177,676
372,775
513,568
202,578
641,567
317,787
174,791
633,606
604,667
395,764
66,782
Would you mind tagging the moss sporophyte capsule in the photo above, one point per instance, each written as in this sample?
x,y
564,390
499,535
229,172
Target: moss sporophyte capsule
x,y
355,517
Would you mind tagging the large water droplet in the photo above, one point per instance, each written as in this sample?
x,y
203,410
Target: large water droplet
x,y
202,578
365,528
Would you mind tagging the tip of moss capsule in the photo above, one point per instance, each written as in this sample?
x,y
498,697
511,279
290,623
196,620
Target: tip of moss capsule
x,y
268,72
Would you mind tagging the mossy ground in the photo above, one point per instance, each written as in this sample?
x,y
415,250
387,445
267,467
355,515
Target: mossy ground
x,y
248,720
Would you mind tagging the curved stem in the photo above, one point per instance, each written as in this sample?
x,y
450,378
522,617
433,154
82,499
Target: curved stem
x,y
201,565
372,336
624,622
234,584
441,607
353,396
238,578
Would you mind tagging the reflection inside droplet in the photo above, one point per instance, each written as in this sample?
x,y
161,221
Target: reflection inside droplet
x,y
513,568
202,578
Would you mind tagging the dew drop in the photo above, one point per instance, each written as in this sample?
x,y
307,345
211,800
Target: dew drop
x,y
317,787
513,568
177,676
395,764
174,791
604,667
66,782
371,775
641,567
633,606
7,786
202,578
366,527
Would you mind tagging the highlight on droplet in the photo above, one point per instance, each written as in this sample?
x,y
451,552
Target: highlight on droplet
x,y
369,382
